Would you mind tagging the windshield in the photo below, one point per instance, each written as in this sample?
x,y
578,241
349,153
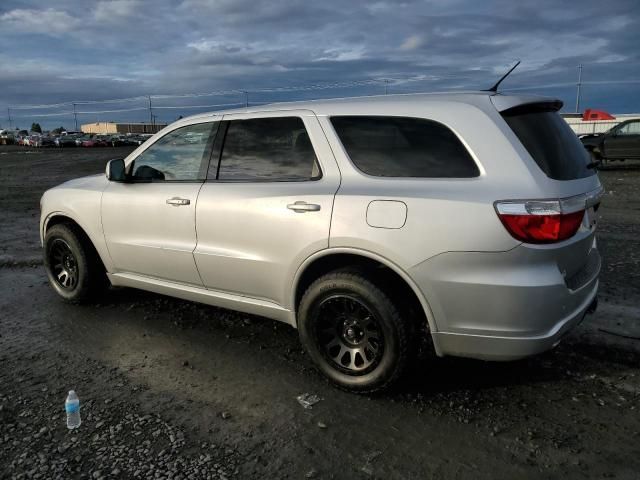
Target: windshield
x,y
551,142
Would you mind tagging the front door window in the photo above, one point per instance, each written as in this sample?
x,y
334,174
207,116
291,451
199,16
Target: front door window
x,y
181,155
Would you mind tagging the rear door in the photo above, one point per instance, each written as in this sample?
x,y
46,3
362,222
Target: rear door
x,y
150,222
267,205
625,141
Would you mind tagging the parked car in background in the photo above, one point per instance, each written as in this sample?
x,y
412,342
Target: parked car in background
x,y
136,139
46,141
366,223
117,141
30,140
621,142
7,137
81,139
94,142
66,141
33,141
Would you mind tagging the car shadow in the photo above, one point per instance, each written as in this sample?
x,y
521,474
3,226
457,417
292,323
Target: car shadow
x,y
619,166
579,355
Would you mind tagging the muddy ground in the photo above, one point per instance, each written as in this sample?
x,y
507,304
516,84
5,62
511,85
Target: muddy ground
x,y
171,389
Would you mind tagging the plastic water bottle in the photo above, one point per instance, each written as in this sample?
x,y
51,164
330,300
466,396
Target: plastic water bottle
x,y
72,407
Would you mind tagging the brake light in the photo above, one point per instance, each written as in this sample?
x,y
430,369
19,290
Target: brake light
x,y
542,221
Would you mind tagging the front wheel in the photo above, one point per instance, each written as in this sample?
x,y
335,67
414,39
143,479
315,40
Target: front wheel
x,y
73,266
597,158
354,332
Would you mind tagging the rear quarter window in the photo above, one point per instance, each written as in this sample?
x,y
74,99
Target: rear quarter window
x,y
403,147
550,141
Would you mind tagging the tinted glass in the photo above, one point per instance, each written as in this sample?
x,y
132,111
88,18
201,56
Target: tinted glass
x,y
631,128
404,147
268,149
551,142
180,155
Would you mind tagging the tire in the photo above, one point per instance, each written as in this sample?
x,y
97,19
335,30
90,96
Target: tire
x,y
73,267
354,332
597,158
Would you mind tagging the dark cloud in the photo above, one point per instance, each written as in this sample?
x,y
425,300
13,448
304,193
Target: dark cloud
x,y
76,50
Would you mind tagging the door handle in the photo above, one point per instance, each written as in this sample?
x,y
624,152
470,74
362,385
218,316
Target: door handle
x,y
177,201
301,207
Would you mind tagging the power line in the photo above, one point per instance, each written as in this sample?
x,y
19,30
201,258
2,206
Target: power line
x,y
197,106
572,84
111,111
292,88
385,82
78,112
155,107
38,115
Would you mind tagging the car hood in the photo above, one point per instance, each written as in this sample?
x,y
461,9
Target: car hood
x,y
90,182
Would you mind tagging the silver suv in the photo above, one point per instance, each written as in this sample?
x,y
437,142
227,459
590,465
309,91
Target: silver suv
x,y
367,223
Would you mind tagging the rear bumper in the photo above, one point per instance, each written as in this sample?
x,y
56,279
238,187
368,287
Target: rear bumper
x,y
486,347
508,305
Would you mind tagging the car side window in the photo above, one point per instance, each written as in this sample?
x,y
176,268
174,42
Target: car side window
x,y
181,155
267,149
403,147
631,128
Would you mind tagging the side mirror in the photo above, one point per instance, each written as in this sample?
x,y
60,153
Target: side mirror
x,y
116,170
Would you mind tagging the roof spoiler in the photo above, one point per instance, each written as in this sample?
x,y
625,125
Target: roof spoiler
x,y
514,104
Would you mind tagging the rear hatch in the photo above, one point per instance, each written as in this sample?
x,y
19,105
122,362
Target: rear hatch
x,y
558,227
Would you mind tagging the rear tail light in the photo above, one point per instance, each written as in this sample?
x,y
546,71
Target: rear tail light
x,y
543,221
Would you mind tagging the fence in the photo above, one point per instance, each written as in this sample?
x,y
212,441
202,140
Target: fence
x,y
583,128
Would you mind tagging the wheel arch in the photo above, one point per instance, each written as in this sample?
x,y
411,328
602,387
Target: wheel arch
x,y
58,218
333,258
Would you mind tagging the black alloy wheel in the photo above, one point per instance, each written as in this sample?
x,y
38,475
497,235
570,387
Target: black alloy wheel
x,y
354,332
349,334
73,266
64,265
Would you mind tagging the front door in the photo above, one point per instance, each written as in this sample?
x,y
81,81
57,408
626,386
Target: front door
x,y
149,222
625,143
267,206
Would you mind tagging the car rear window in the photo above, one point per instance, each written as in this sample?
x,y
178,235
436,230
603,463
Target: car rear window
x,y
551,142
403,147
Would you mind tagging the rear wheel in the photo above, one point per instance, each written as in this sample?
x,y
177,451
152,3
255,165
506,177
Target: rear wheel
x,y
72,264
354,332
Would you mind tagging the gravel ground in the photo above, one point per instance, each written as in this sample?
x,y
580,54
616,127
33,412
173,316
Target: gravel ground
x,y
172,389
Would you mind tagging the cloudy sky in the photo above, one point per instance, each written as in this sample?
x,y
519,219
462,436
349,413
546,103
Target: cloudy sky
x,y
80,50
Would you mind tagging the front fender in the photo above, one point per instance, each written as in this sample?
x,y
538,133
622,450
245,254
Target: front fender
x,y
82,207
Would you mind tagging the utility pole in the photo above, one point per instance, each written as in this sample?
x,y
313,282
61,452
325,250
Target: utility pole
x,y
75,117
386,86
9,114
246,98
150,110
578,89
